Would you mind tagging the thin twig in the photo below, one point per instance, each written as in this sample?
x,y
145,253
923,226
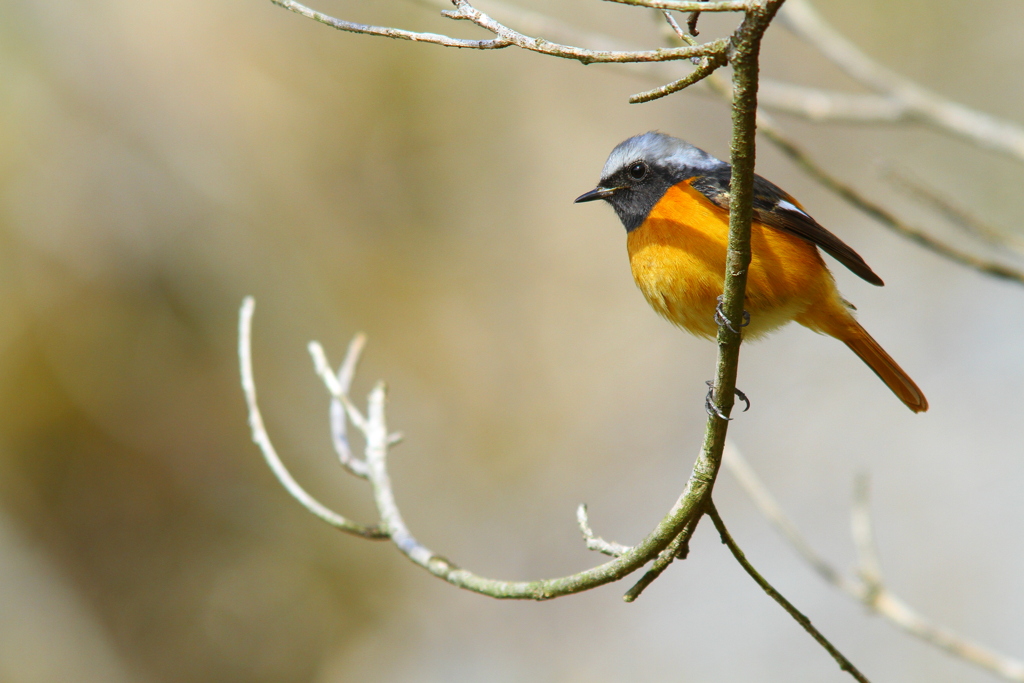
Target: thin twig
x,y
687,38
261,439
844,663
326,374
531,22
708,66
387,32
690,5
595,542
466,11
677,549
879,600
338,386
691,23
506,37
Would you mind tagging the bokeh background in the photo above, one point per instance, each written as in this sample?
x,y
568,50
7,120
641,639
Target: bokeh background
x,y
160,160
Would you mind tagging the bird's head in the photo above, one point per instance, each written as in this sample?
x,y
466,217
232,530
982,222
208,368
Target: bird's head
x,y
641,169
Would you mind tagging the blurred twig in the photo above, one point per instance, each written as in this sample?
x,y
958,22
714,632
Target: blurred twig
x,y
766,126
956,215
916,102
868,588
883,215
339,386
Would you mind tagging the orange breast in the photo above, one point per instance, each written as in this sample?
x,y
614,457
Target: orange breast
x,y
678,261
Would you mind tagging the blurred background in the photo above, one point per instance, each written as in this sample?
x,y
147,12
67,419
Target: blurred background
x,y
163,159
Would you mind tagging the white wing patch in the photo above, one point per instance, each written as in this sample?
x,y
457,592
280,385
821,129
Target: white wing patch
x,y
789,206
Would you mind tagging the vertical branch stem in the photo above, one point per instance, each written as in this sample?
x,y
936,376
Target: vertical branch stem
x,y
744,59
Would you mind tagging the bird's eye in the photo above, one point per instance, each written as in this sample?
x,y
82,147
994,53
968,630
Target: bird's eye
x,y
638,170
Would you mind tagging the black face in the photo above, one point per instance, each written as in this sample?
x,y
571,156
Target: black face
x,y
633,189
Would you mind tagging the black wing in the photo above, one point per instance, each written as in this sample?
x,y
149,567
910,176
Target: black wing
x,y
775,208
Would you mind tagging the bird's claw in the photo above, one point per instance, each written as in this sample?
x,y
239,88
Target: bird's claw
x,y
712,408
722,321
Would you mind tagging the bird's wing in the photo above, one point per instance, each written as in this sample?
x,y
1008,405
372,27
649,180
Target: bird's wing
x,y
775,208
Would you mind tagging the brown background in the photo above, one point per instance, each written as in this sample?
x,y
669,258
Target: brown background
x,y
163,159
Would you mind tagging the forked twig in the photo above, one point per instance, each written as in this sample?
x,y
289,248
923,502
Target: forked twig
x,y
262,439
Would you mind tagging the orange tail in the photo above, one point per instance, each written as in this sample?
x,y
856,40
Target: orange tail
x,y
862,344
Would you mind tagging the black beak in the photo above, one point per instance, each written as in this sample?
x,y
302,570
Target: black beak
x,y
597,193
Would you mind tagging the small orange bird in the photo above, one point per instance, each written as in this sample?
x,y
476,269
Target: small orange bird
x,y
673,199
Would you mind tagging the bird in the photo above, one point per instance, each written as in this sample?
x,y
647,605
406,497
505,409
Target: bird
x,y
673,200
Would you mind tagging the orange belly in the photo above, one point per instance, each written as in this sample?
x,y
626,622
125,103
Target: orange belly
x,y
678,261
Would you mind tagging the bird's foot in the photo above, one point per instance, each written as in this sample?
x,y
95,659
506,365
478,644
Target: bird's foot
x,y
722,321
712,408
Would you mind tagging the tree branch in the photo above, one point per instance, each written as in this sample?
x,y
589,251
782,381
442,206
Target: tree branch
x,y
338,386
386,32
689,6
467,11
669,539
677,549
869,590
378,440
747,45
506,37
